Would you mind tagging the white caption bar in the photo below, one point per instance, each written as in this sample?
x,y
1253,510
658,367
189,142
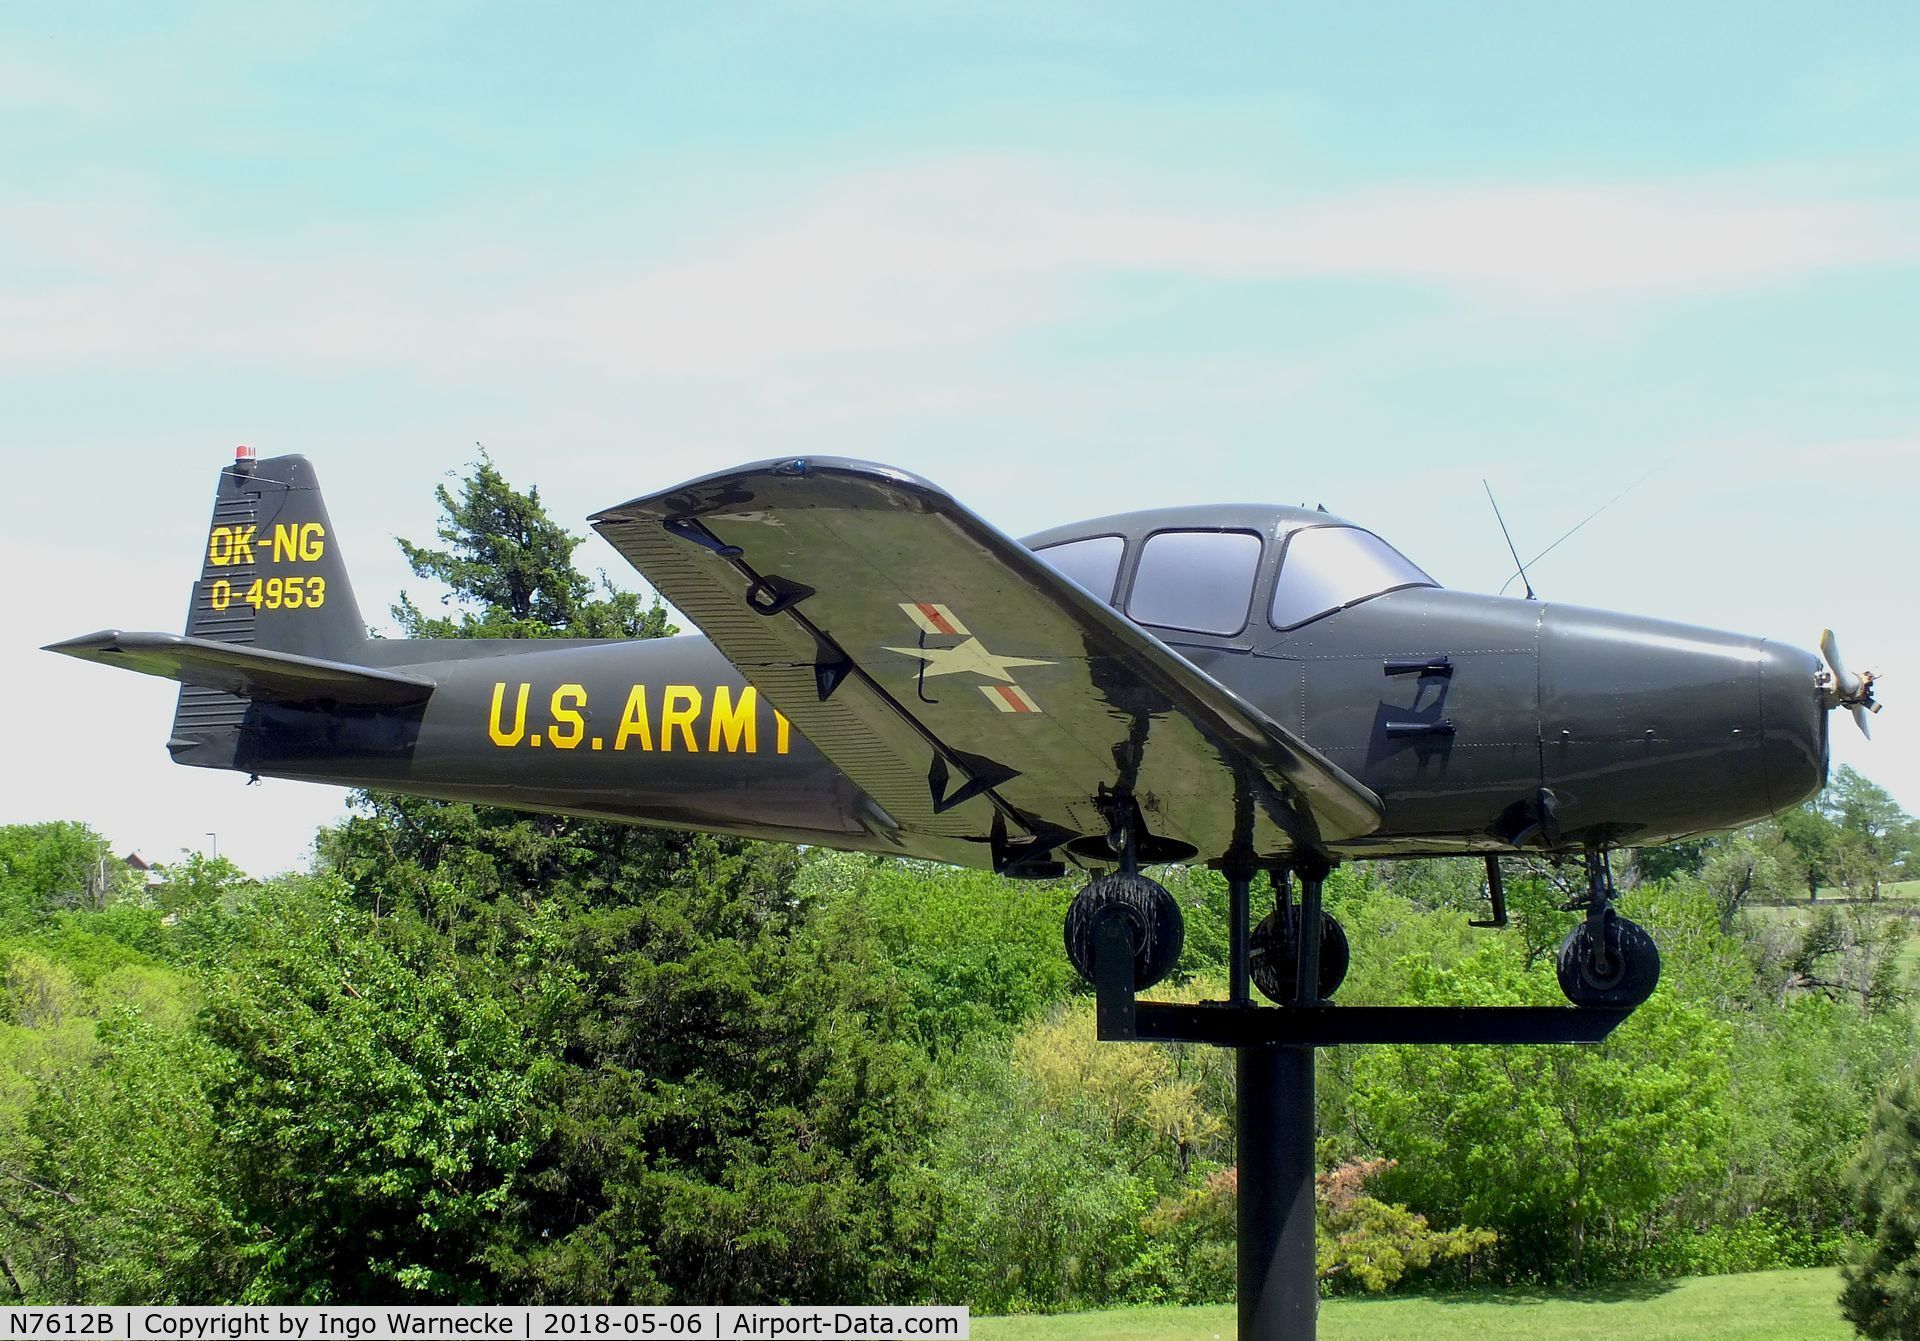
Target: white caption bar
x,y
326,1323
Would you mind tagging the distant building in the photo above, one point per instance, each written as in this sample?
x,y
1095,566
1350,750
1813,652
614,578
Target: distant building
x,y
151,872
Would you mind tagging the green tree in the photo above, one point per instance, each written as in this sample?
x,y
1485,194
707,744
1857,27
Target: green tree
x,y
1810,833
1805,1077
376,1105
1881,1285
45,868
1669,859
113,1189
721,1052
1874,839
197,883
1039,1209
1548,1147
975,953
110,1184
1750,863
508,569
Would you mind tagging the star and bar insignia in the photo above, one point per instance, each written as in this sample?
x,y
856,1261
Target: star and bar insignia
x,y
969,657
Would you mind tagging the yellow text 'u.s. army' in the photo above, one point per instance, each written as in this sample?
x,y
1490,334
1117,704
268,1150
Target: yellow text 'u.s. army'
x,y
676,717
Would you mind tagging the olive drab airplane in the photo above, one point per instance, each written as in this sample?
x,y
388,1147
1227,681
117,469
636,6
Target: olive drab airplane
x,y
1253,687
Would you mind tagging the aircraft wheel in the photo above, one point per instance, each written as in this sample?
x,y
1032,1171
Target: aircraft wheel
x,y
1632,965
1158,929
1273,956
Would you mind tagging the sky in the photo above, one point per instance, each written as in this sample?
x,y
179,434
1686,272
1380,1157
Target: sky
x,y
1063,260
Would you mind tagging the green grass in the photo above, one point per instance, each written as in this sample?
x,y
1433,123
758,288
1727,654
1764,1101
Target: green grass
x,y
1899,895
1767,1306
1910,956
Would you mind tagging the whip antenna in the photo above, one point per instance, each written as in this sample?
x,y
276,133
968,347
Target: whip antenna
x,y
1519,567
1582,522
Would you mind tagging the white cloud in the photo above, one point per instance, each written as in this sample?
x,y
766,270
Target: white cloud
x,y
947,256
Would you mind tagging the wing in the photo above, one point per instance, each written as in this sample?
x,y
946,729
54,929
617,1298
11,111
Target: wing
x,y
970,690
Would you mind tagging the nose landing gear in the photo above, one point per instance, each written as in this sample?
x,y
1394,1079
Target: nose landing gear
x,y
1606,960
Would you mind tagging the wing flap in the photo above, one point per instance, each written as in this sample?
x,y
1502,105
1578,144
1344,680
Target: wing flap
x,y
959,680
248,672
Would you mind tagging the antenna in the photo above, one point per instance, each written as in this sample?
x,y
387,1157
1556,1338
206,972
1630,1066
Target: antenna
x,y
1521,567
1583,521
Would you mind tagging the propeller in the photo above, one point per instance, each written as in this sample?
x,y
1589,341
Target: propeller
x,y
1842,688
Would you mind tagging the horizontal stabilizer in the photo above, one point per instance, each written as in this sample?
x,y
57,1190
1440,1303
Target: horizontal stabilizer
x,y
248,672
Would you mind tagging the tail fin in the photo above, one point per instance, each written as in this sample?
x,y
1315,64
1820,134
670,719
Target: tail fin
x,y
272,665
271,577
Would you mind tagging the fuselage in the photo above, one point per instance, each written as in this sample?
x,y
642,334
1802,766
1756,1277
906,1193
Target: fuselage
x,y
1484,723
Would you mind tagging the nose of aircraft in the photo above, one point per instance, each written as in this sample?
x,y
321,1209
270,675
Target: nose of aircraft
x,y
1654,730
1793,724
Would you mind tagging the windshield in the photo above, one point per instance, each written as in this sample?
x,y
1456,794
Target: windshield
x,y
1327,568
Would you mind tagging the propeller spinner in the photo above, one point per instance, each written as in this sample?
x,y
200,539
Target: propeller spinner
x,y
1842,688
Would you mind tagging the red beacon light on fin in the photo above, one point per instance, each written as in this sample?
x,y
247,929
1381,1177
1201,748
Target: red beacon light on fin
x,y
243,459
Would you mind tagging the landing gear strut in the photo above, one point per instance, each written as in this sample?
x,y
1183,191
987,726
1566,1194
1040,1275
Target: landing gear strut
x,y
1606,960
1274,1067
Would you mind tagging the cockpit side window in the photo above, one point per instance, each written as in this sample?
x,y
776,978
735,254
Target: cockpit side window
x,y
1327,568
1094,562
1199,581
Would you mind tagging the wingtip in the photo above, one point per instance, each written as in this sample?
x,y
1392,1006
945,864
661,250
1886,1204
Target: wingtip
x,y
705,492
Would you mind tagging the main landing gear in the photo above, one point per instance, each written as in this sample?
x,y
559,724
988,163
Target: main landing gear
x,y
1276,948
1272,956
1155,927
1154,924
1606,960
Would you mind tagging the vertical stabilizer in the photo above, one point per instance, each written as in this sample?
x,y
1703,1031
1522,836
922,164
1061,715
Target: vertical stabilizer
x,y
271,577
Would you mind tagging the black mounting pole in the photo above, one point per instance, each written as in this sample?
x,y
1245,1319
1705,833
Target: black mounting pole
x,y
1278,1285
1273,1139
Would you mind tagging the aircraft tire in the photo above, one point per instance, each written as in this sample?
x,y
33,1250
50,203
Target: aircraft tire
x,y
1159,930
1635,961
1272,956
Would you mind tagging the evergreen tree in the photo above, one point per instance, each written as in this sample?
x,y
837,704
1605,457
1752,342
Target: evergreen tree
x,y
1881,1295
719,1055
508,569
